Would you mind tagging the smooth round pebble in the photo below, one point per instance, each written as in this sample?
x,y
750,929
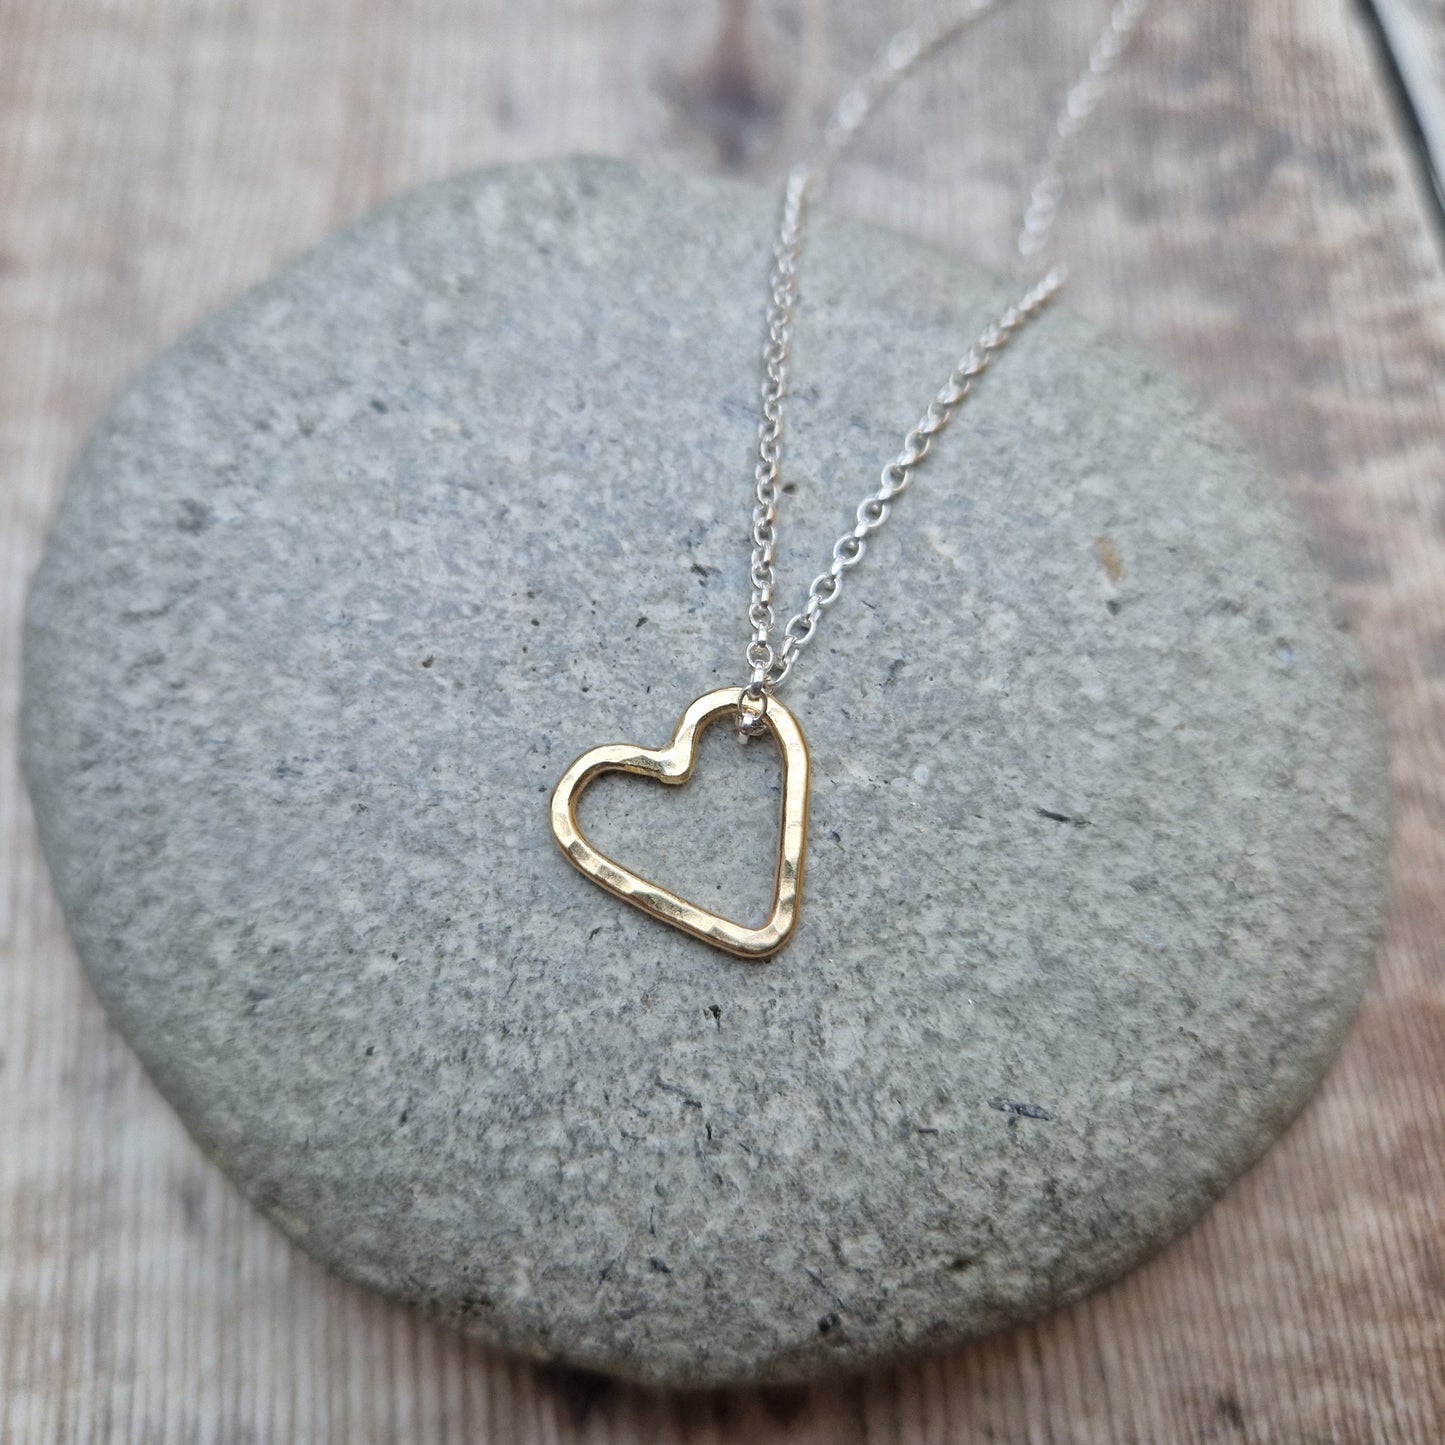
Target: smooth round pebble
x,y
344,581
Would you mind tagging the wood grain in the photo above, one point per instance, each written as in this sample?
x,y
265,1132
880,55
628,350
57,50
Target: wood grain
x,y
1245,206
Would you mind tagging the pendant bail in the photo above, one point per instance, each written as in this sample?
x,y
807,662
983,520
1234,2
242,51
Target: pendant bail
x,y
752,713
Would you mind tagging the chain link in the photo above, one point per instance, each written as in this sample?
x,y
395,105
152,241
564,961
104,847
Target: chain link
x,y
770,663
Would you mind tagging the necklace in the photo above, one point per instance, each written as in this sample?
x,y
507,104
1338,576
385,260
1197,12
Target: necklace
x,y
772,652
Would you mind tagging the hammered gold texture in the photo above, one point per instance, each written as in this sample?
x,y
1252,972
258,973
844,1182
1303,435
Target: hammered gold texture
x,y
673,765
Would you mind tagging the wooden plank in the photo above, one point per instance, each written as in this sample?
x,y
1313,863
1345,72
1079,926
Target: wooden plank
x,y
1245,206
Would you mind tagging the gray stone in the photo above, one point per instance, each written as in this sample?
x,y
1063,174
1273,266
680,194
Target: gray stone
x,y
345,580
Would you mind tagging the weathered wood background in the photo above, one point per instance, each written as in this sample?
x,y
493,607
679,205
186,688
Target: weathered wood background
x,y
1248,206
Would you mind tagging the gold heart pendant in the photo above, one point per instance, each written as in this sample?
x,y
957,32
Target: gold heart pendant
x,y
673,765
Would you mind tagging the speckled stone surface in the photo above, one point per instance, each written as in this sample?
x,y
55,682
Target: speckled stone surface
x,y
345,580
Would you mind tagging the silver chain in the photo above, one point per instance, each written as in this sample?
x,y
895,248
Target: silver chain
x,y
770,665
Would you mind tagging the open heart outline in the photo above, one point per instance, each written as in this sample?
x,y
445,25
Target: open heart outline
x,y
673,764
